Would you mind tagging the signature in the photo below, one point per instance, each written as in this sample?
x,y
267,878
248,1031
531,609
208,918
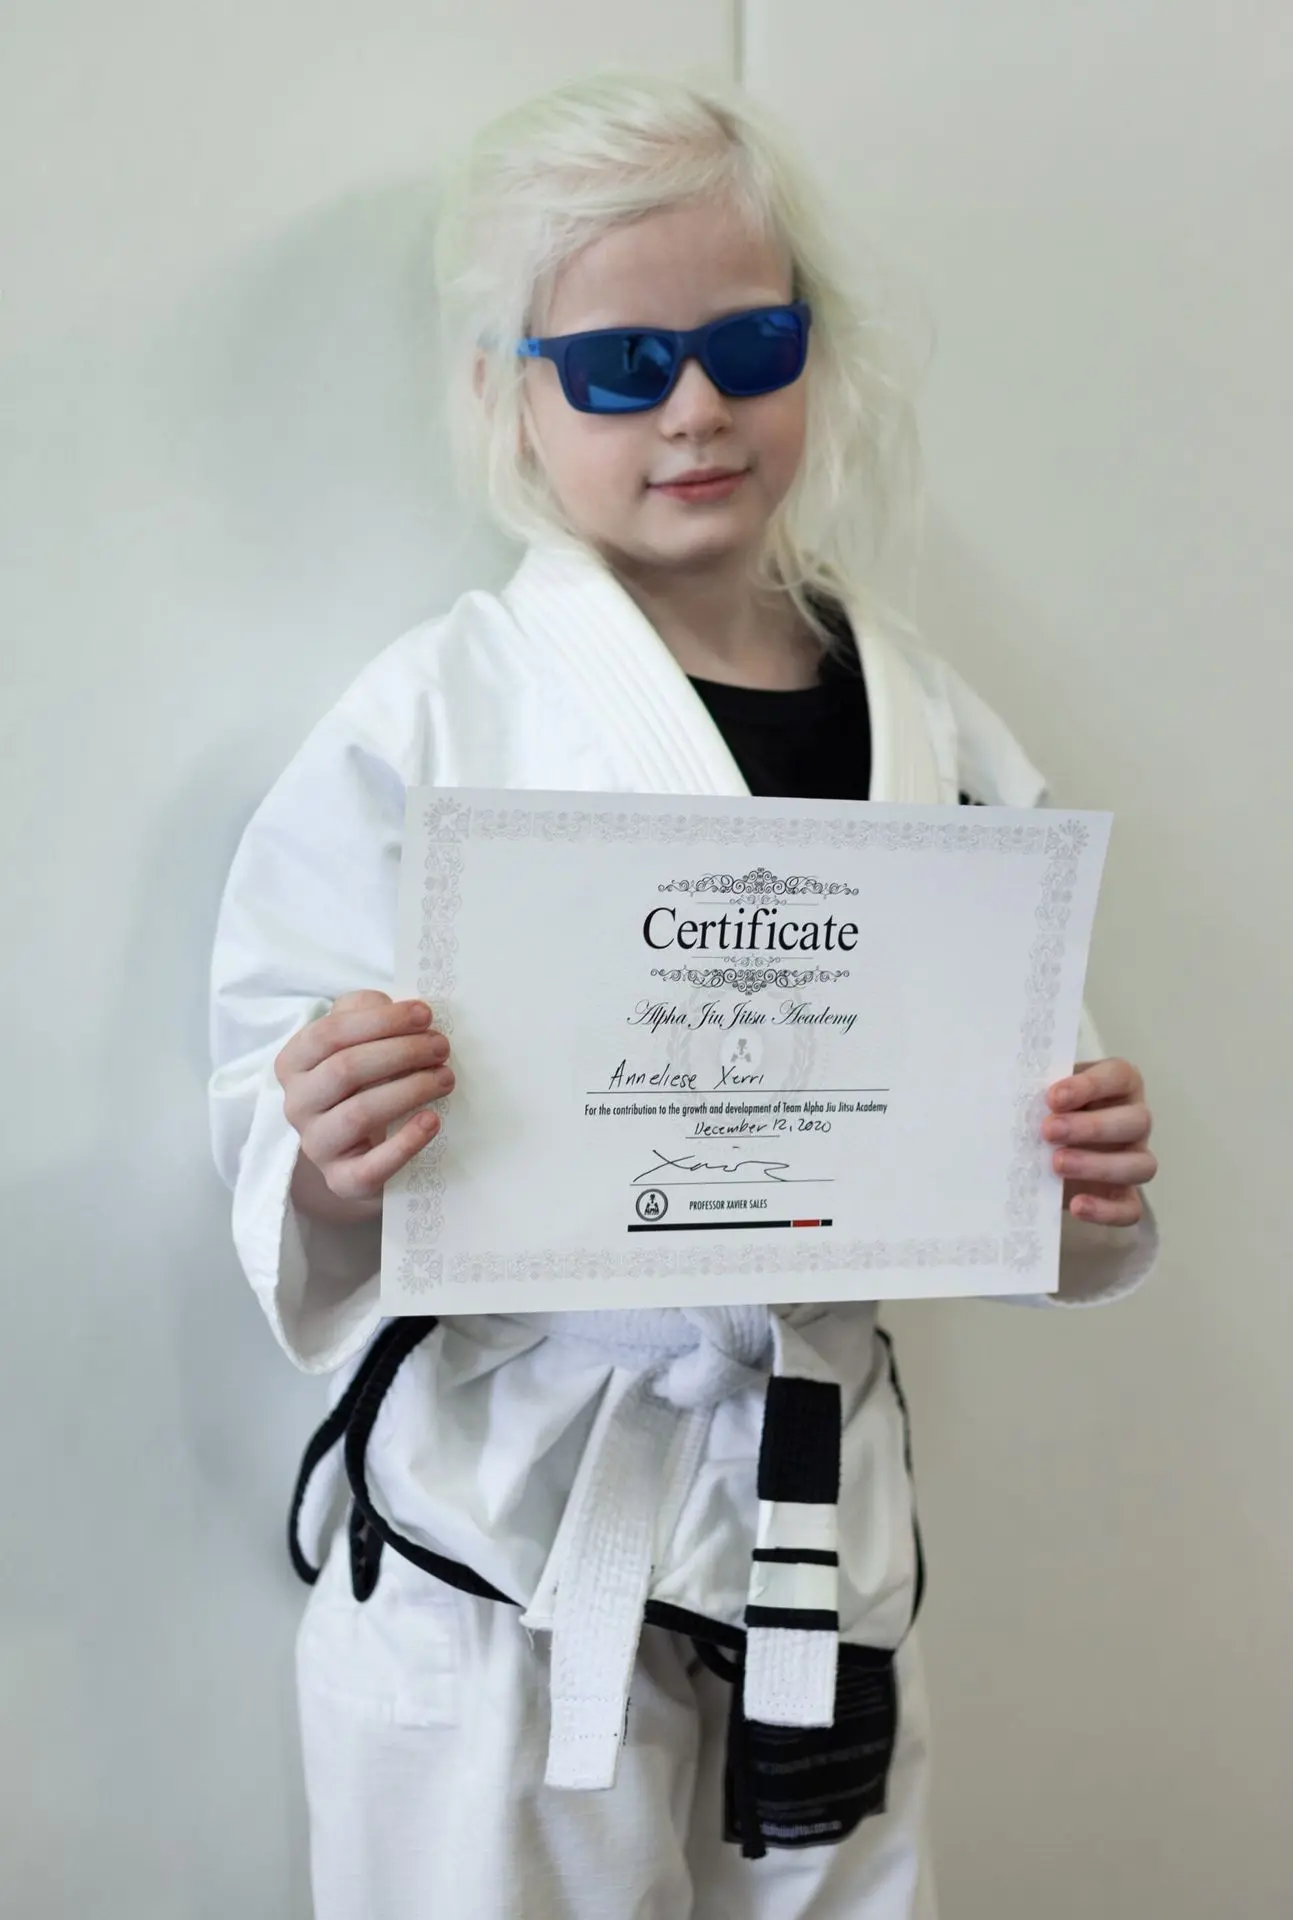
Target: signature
x,y
689,1163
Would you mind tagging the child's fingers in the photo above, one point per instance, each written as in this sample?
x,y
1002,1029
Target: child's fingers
x,y
1110,1207
354,1069
1096,1080
362,1175
355,1017
330,1136
1103,1127
1130,1169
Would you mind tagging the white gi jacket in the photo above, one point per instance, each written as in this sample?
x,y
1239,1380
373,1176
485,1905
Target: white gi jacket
x,y
499,1444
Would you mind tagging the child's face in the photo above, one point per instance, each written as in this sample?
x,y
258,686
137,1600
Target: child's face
x,y
678,268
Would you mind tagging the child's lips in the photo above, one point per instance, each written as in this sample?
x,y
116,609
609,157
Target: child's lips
x,y
703,484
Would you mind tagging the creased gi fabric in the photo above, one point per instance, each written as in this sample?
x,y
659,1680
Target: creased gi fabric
x,y
557,682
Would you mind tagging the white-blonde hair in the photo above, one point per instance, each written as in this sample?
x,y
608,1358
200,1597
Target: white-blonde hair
x,y
545,180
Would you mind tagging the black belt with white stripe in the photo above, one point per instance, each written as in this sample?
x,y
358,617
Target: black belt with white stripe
x,y
784,1787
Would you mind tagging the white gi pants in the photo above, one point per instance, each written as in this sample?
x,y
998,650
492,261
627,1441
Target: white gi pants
x,y
424,1719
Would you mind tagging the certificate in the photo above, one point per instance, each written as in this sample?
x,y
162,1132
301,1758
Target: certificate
x,y
711,1051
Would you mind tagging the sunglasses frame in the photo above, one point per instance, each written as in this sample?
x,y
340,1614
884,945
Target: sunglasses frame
x,y
689,344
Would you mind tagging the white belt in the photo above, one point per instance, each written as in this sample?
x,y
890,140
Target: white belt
x,y
636,1466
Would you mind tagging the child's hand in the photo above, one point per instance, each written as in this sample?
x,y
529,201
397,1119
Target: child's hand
x,y
349,1076
1100,1115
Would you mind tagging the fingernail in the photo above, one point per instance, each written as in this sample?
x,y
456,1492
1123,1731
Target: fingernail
x,y
1058,1130
420,1013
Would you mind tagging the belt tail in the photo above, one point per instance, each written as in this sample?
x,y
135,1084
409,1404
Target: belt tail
x,y
792,1613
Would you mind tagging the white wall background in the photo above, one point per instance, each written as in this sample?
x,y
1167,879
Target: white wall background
x,y
1096,197
221,490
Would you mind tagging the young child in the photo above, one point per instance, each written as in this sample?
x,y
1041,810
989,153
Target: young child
x,y
672,402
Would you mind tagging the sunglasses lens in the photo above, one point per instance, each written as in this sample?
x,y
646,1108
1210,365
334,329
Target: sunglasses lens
x,y
619,372
758,352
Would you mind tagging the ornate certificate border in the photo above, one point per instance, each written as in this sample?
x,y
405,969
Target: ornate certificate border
x,y
449,824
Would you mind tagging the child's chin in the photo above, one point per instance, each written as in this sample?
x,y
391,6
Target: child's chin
x,y
717,536
701,544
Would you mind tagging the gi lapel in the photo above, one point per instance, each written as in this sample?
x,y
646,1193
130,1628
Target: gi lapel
x,y
654,724
566,600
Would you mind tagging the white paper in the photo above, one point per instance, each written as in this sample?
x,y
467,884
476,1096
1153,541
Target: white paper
x,y
843,1101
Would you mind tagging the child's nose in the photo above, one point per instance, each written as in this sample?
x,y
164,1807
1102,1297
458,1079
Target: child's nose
x,y
695,406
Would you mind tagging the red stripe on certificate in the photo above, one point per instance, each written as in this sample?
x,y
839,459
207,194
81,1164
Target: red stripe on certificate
x,y
810,1223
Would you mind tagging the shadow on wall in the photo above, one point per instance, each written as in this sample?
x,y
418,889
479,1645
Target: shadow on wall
x,y
306,431
259,499
152,1606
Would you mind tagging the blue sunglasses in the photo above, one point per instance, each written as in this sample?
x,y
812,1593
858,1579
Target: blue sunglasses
x,y
632,369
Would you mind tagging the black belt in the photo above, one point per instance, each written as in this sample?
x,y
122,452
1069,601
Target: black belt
x,y
784,1786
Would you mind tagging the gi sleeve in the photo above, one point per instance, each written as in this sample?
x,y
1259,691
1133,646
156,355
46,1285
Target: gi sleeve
x,y
308,914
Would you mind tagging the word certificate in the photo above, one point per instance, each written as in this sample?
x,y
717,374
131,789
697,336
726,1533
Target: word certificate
x,y
711,1051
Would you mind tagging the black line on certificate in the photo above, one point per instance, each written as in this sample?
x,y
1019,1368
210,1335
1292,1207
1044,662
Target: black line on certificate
x,y
819,1180
718,1226
728,1093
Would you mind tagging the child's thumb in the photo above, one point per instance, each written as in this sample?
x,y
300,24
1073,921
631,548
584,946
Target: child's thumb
x,y
365,997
